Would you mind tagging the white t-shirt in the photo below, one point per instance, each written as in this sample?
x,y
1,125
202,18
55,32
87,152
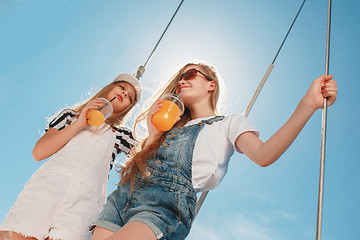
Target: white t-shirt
x,y
214,146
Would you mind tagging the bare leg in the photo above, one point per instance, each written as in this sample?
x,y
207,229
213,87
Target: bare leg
x,y
134,231
101,233
17,236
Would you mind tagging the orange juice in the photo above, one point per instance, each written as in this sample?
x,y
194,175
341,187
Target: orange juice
x,y
95,117
167,115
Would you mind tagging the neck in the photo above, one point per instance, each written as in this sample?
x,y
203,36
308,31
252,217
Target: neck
x,y
201,110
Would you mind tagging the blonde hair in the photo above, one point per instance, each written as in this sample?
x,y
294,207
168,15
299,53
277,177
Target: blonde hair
x,y
137,164
115,119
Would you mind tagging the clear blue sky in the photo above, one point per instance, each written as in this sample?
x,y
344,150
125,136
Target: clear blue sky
x,y
53,53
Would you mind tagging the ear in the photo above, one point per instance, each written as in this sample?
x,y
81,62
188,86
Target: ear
x,y
212,86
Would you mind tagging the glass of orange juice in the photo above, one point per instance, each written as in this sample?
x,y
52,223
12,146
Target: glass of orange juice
x,y
96,117
172,108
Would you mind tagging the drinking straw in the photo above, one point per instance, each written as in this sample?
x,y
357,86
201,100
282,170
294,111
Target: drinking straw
x,y
106,103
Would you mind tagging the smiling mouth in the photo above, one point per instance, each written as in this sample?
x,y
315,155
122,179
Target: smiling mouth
x,y
181,88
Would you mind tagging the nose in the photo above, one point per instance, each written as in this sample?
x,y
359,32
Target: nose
x,y
181,82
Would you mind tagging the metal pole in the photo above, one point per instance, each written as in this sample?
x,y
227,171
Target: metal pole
x,y
200,202
323,131
258,90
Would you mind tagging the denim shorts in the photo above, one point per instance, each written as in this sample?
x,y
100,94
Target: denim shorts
x,y
167,211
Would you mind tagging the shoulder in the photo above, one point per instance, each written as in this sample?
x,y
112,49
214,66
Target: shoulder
x,y
125,134
236,119
231,119
123,130
61,119
66,112
125,139
235,124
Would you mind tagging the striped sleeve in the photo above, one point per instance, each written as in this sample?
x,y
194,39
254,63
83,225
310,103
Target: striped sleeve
x,y
124,141
62,120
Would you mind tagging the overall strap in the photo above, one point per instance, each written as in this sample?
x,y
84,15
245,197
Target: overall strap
x,y
212,120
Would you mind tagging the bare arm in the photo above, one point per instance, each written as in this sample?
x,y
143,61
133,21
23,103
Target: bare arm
x,y
53,140
267,153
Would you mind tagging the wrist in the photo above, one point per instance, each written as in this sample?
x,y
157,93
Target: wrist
x,y
78,125
308,104
152,139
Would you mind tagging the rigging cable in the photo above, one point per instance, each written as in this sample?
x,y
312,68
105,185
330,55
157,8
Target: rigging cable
x,y
254,97
257,92
323,131
141,69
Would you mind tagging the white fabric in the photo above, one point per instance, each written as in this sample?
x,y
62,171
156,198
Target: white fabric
x,y
67,192
214,146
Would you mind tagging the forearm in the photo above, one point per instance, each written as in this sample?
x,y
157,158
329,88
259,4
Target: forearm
x,y
266,153
280,141
54,140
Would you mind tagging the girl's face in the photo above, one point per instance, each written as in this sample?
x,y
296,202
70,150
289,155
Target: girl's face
x,y
194,85
124,94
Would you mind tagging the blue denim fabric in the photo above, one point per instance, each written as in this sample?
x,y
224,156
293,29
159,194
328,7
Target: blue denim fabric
x,y
167,202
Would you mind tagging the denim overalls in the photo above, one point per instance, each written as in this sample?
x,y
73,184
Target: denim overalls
x,y
167,202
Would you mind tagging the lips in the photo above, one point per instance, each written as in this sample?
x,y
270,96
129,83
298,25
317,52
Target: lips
x,y
118,96
183,87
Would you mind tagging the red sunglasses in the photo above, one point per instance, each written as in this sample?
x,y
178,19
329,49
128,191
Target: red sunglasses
x,y
192,73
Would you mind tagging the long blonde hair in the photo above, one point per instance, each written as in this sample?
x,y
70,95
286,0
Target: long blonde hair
x,y
115,119
137,164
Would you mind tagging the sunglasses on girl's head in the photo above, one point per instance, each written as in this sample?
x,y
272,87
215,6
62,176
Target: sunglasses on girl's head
x,y
192,73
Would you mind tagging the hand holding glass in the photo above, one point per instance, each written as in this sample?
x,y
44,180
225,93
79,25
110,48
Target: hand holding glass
x,y
96,117
172,108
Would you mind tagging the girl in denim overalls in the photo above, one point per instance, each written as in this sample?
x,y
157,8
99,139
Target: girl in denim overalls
x,y
156,198
67,192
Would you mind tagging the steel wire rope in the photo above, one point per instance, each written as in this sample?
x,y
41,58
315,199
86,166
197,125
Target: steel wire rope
x,y
141,69
254,97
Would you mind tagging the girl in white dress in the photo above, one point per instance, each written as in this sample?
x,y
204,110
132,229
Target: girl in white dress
x,y
66,193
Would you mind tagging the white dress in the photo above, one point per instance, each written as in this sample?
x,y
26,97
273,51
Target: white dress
x,y
67,192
